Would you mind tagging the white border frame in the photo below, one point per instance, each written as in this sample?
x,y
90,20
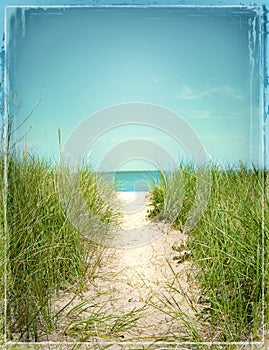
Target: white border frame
x,y
262,93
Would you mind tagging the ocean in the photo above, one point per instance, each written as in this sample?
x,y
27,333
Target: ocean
x,y
133,181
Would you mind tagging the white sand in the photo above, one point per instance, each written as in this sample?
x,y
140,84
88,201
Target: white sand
x,y
134,207
139,276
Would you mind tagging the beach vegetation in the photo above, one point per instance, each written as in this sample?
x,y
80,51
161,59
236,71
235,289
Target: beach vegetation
x,y
229,247
44,252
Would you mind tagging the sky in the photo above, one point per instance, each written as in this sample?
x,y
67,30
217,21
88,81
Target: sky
x,y
67,64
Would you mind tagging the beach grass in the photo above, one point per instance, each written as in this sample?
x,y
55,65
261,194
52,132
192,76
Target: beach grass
x,y
45,252
2,249
90,319
229,247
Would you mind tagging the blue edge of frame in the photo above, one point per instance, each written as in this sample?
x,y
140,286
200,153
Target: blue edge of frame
x,y
265,26
265,29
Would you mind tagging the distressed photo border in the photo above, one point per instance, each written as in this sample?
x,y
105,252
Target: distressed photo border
x,y
264,111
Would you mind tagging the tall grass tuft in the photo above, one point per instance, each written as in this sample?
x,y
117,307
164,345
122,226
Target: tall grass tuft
x,y
229,247
2,248
45,252
172,191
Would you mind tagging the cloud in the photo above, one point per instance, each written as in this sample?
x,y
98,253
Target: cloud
x,y
201,114
188,93
217,114
155,80
223,136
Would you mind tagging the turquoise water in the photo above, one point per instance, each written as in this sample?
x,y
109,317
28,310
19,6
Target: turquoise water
x,y
133,181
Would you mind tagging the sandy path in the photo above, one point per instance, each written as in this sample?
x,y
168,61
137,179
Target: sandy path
x,y
139,276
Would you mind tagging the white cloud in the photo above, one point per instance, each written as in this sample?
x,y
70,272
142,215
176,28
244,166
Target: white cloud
x,y
221,114
155,80
200,114
188,93
221,137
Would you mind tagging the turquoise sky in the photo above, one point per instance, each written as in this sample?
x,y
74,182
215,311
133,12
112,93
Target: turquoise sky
x,y
200,64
